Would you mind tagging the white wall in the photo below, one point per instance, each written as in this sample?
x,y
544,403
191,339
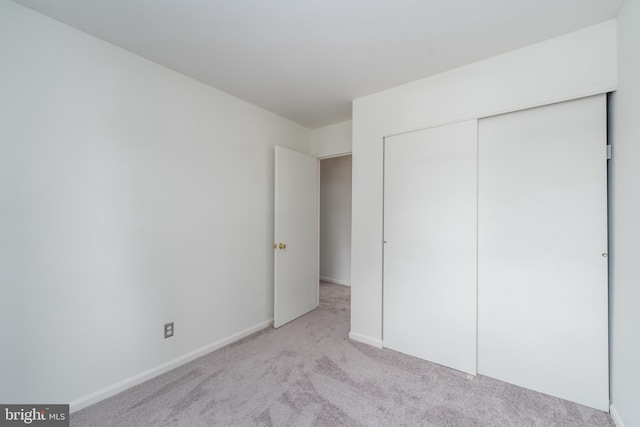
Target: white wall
x,y
335,220
624,203
331,140
577,64
130,196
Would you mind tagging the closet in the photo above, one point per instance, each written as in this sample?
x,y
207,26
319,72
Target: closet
x,y
495,254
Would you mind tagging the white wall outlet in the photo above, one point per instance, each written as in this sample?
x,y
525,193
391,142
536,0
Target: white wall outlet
x,y
168,330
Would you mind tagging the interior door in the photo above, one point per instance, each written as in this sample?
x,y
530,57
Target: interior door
x,y
296,235
542,247
430,214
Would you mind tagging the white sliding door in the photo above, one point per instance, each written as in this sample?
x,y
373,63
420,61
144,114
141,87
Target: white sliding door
x,y
430,213
542,247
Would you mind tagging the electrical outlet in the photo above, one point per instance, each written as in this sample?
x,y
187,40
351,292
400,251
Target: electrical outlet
x,y
168,330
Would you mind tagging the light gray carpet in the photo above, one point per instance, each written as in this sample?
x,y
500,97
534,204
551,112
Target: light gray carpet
x,y
308,373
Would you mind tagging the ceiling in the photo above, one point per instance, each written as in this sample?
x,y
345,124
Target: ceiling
x,y
305,60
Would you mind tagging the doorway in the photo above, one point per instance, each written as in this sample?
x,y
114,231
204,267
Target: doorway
x,y
335,220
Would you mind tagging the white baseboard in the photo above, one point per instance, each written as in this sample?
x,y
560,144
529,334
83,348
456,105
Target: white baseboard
x,y
615,416
365,339
114,389
336,281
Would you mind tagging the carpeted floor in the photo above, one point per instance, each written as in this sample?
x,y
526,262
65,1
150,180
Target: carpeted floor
x,y
308,373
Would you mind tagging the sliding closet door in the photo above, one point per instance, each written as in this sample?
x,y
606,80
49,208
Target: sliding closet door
x,y
430,210
542,250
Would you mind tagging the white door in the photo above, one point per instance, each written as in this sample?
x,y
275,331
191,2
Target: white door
x,y
542,247
430,213
296,235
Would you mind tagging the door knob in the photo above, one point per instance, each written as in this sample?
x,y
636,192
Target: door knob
x,y
282,246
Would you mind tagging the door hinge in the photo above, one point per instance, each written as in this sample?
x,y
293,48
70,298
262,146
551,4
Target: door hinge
x,y
609,152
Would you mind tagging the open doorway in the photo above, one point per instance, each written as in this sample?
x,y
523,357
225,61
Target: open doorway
x,y
335,220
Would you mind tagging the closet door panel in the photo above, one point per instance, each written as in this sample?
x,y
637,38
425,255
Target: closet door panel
x,y
430,213
542,247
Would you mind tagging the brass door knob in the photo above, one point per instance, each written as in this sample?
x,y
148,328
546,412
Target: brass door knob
x,y
282,246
